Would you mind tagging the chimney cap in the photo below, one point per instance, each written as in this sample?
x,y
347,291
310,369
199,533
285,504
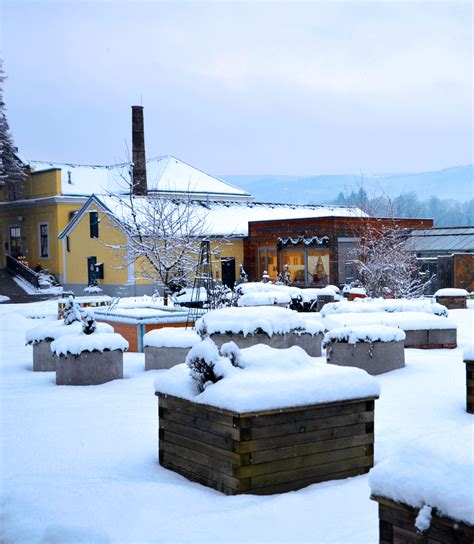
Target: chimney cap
x,y
133,107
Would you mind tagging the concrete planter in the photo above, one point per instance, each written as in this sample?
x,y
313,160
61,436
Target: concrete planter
x,y
89,368
397,526
431,338
310,343
373,357
453,303
44,359
266,452
162,358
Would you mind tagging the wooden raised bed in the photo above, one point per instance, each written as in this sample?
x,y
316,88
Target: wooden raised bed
x,y
453,302
469,386
431,338
397,526
266,452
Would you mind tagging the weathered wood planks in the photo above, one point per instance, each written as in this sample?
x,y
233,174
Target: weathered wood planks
x,y
266,452
469,386
397,526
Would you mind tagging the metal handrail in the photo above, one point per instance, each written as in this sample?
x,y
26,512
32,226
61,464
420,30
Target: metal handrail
x,y
16,267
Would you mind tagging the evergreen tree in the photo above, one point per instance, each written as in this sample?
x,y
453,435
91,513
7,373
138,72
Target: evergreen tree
x,y
71,311
12,174
89,324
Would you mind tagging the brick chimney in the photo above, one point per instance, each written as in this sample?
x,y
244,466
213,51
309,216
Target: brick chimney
x,y
139,186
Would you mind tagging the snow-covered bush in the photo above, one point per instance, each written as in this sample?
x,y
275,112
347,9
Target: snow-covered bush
x,y
202,360
92,290
71,311
232,352
89,324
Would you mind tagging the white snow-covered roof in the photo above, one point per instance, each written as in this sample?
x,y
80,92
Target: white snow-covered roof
x,y
232,218
167,175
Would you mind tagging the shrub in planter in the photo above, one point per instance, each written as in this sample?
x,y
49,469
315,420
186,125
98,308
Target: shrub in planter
x,y
374,348
41,336
168,346
276,422
89,357
424,491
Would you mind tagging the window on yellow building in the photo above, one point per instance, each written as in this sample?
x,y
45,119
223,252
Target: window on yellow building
x,y
43,240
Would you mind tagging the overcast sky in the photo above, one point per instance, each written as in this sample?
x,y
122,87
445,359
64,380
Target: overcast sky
x,y
294,88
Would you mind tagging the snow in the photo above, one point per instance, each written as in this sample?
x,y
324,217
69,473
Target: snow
x,y
104,484
423,519
144,301
75,344
451,293
270,379
365,305
430,471
265,298
407,321
357,291
361,333
171,337
56,329
32,290
468,353
86,299
268,319
4,298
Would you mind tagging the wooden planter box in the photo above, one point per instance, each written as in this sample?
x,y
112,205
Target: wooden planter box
x,y
397,526
163,357
453,303
431,339
266,452
44,360
469,386
89,368
373,357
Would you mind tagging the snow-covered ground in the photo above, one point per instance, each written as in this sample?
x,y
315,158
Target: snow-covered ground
x,y
79,464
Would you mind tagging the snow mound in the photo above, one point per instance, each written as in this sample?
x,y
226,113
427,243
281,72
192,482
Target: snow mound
x,y
430,471
264,298
268,319
468,353
451,293
171,337
75,344
55,329
367,305
4,298
407,321
270,379
374,333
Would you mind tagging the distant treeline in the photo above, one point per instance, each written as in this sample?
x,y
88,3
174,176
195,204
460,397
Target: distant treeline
x,y
444,212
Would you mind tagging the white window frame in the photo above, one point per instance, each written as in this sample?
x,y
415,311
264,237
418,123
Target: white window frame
x,y
40,224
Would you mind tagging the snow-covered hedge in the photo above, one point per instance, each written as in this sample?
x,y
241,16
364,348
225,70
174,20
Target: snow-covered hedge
x,y
267,319
268,379
374,333
407,321
55,329
171,337
368,305
75,344
431,472
451,293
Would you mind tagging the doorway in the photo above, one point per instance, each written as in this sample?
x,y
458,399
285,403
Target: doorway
x,y
228,271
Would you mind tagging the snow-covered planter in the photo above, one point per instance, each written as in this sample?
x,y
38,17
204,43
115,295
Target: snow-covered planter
x,y
395,305
276,327
452,298
469,362
376,349
89,357
40,338
168,347
422,330
84,302
424,492
356,292
272,421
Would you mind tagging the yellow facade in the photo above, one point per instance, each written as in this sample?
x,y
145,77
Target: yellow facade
x,y
42,204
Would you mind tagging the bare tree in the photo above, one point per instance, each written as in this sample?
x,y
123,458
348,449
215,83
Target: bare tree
x,y
387,265
164,236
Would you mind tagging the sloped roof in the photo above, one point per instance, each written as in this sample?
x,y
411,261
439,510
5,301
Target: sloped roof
x,y
167,175
224,218
442,240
